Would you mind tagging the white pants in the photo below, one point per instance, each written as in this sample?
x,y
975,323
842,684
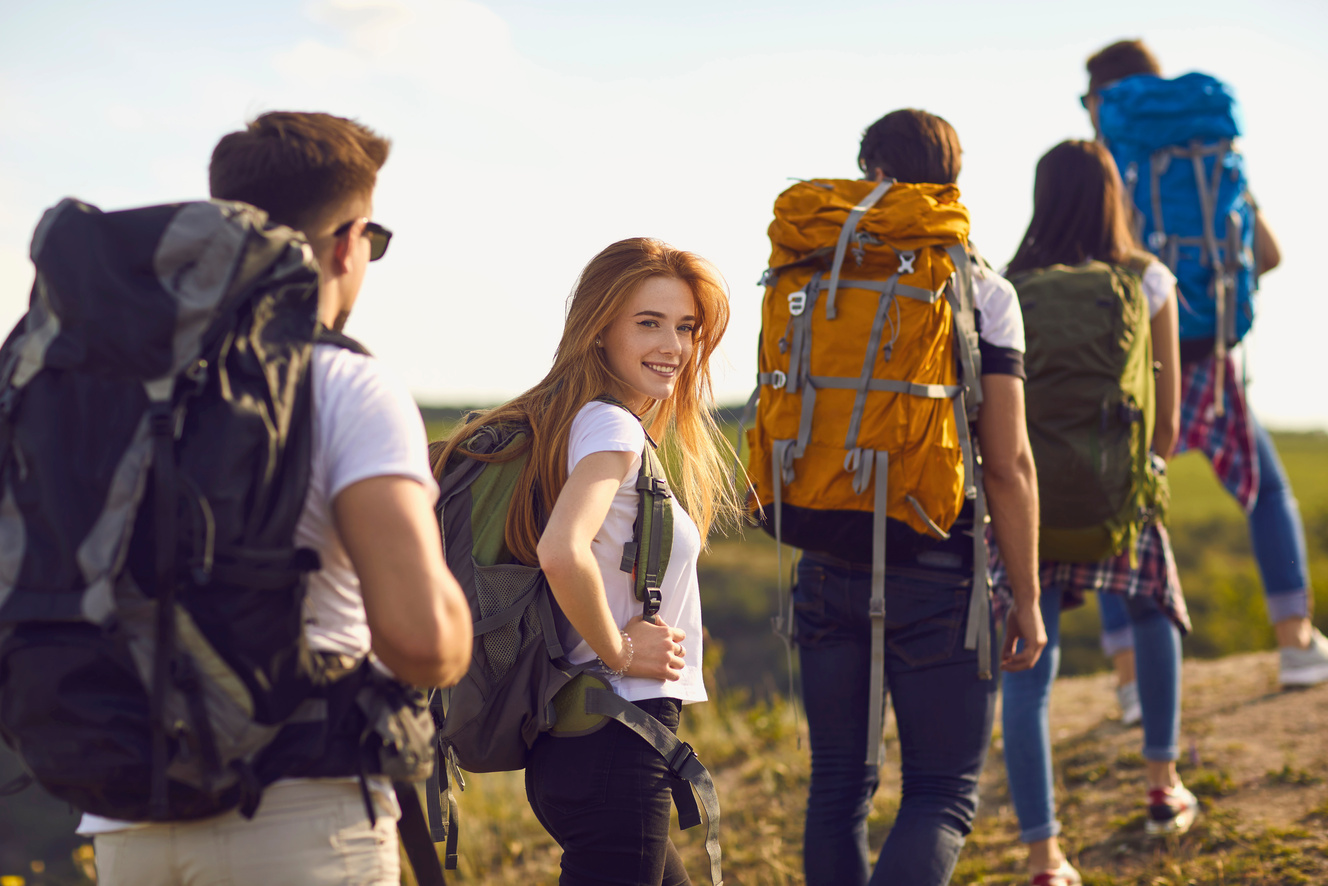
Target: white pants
x,y
308,833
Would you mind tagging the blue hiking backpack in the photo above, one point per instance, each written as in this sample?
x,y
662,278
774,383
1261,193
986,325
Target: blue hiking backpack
x,y
1173,143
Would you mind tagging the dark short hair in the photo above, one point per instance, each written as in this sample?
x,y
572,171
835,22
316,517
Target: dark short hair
x,y
297,165
912,147
1079,210
1122,59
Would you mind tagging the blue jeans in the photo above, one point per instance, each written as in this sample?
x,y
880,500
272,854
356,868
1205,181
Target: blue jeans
x,y
1278,538
944,713
1024,712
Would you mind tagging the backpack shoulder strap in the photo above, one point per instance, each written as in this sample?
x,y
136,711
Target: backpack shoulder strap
x,y
654,530
325,336
1137,263
646,556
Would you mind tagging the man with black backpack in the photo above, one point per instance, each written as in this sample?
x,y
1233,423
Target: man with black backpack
x,y
1174,142
261,727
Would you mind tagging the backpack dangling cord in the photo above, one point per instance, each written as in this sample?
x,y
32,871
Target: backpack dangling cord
x,y
162,424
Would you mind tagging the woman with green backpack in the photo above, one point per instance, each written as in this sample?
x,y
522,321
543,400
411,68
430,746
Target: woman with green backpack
x,y
634,360
1102,416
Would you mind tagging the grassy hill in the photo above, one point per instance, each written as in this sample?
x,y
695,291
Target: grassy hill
x,y
1256,756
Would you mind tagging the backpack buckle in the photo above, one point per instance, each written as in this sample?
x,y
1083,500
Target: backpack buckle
x,y
797,302
778,379
651,604
681,757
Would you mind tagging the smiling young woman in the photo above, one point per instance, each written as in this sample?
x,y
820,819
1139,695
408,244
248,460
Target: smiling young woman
x,y
641,327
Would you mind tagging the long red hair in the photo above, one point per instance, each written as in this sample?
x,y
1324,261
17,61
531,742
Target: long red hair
x,y
684,423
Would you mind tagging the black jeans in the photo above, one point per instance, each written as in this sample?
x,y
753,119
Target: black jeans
x,y
606,799
944,713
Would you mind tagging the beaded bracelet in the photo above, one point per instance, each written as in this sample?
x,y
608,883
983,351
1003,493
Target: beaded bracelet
x,y
631,651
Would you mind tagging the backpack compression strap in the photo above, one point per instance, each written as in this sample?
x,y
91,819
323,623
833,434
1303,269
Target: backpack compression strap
x,y
978,633
687,771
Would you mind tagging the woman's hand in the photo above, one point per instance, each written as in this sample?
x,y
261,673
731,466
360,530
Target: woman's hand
x,y
657,650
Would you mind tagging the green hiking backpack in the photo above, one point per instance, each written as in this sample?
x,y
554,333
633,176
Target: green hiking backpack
x,y
520,683
1090,408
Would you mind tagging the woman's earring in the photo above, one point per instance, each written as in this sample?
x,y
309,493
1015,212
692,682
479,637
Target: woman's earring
x,y
598,343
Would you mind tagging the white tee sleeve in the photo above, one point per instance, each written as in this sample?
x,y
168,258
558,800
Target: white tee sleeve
x,y
369,425
995,299
603,427
1159,284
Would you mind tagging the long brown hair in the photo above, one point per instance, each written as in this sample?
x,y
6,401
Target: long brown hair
x,y
684,422
1078,210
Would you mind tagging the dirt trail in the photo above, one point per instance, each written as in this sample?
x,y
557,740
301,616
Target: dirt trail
x,y
1256,755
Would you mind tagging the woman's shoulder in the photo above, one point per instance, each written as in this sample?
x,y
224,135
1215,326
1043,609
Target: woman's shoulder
x,y
604,427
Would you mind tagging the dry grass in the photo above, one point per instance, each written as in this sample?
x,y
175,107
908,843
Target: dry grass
x,y
1255,757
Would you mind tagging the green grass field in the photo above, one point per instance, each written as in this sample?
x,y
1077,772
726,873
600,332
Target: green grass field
x,y
748,732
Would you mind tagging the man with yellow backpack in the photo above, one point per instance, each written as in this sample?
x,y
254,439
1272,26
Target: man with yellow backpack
x,y
889,423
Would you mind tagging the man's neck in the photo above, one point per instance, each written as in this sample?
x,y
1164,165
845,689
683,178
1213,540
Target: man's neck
x,y
330,311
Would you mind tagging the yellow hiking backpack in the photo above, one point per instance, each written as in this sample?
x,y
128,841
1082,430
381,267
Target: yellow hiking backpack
x,y
868,381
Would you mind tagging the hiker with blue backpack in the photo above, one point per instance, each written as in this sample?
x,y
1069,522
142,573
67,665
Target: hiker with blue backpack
x,y
224,577
582,565
889,415
1100,315
1174,142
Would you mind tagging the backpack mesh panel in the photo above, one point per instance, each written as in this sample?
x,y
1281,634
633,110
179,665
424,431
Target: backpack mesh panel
x,y
498,588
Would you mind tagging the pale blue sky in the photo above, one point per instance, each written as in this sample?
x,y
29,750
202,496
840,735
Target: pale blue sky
x,y
528,135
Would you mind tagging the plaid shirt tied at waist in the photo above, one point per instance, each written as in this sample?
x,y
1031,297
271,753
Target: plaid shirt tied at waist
x,y
1227,440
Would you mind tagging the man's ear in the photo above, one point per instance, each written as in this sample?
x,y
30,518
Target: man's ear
x,y
341,251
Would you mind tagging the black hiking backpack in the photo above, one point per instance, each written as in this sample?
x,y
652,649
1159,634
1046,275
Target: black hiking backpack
x,y
155,449
520,684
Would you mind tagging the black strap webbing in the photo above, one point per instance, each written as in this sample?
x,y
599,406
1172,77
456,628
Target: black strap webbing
x,y
415,837
693,781
325,336
162,424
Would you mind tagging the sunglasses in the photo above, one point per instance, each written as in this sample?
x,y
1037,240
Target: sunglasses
x,y
378,235
1083,99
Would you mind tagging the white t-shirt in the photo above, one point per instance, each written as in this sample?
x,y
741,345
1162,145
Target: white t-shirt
x,y
995,299
365,425
602,427
1159,284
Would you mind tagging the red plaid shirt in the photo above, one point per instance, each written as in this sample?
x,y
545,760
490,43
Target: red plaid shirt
x,y
1156,577
1227,440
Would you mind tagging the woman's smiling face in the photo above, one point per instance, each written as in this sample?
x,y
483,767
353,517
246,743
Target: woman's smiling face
x,y
648,345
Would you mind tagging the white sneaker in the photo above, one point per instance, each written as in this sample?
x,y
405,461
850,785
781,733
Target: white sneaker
x,y
1170,811
1128,697
1305,667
